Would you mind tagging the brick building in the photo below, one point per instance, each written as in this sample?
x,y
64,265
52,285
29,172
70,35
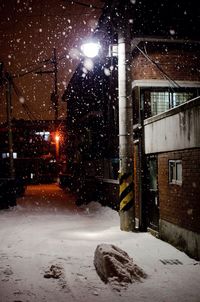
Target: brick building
x,y
172,150
165,87
167,145
166,114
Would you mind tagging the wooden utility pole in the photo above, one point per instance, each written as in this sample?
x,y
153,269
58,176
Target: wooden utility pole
x,y
54,94
8,79
55,62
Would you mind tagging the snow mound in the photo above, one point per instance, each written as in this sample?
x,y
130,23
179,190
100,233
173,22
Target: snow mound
x,y
114,266
55,272
96,209
92,206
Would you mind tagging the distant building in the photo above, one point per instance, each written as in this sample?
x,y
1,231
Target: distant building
x,y
34,149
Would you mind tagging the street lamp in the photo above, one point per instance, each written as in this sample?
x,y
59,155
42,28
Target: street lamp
x,y
126,190
57,138
90,49
57,144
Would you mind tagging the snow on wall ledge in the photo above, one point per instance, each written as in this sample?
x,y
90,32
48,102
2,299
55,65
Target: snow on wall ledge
x,y
114,266
175,129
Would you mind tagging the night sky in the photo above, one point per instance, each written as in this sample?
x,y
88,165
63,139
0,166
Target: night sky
x,y
29,31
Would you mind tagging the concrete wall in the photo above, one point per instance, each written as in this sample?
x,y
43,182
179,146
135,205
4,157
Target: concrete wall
x,y
175,129
183,239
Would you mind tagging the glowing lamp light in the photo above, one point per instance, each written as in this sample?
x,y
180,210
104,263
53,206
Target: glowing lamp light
x,y
91,49
57,138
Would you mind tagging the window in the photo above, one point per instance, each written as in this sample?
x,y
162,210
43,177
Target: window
x,y
111,168
44,134
7,155
161,101
175,172
181,97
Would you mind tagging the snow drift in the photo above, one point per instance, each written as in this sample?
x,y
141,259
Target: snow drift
x,y
114,266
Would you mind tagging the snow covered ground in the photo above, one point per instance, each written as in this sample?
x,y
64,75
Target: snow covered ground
x,y
39,234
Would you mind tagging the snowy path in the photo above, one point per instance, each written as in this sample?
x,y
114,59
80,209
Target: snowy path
x,y
46,228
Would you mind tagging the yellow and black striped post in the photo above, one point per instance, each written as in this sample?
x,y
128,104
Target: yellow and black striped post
x,y
126,191
126,198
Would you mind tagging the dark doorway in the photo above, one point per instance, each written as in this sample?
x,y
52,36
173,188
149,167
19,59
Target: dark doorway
x,y
152,197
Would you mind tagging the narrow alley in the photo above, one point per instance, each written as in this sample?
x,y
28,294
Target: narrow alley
x,y
46,229
46,197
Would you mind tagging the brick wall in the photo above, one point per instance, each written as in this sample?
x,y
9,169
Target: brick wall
x,y
180,204
179,64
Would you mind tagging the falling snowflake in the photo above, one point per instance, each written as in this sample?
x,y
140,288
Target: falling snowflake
x,y
172,32
88,64
107,72
21,99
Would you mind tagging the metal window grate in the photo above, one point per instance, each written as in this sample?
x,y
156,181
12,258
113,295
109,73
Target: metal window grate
x,y
159,102
162,101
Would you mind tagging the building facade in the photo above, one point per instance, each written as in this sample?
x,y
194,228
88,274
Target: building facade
x,y
166,149
172,150
36,151
165,75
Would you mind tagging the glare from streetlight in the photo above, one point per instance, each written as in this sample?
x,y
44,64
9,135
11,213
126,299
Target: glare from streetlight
x,y
57,138
90,49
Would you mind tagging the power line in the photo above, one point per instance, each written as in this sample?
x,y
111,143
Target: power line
x,y
158,67
32,70
24,105
86,5
37,69
54,95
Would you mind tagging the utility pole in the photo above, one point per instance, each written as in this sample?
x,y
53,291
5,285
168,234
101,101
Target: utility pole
x,y
54,94
127,207
8,79
55,71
